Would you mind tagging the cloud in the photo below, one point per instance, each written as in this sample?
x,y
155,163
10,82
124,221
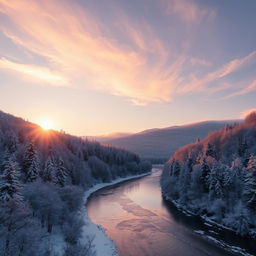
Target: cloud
x,y
246,112
200,62
188,10
249,88
39,73
200,84
236,64
125,58
77,44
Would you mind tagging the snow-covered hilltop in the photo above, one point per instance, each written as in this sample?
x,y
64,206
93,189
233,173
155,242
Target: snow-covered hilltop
x,y
43,178
216,177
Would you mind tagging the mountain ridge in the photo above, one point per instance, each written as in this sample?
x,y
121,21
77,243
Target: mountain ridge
x,y
144,143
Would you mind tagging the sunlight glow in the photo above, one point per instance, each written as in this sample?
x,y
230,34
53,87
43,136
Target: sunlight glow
x,y
46,124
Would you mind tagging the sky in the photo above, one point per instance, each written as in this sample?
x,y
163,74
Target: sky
x,y
101,66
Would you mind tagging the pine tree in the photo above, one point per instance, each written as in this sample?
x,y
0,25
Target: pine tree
x,y
49,172
204,178
4,161
60,173
242,147
184,180
11,141
33,170
176,169
249,193
242,220
9,182
215,182
28,157
210,150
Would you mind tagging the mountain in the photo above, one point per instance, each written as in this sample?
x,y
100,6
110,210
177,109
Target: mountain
x,y
161,143
216,177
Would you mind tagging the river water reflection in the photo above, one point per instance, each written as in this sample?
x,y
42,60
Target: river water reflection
x,y
141,223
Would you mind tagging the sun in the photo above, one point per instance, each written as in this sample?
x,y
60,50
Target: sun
x,y
46,124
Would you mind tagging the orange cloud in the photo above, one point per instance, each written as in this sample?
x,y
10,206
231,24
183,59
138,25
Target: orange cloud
x,y
75,43
40,73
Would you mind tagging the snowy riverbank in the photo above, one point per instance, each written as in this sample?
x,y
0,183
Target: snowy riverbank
x,y
210,223
101,243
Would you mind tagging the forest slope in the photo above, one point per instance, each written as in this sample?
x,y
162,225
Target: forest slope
x,y
216,177
43,176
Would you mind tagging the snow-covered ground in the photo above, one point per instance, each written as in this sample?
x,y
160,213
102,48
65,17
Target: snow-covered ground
x,y
102,244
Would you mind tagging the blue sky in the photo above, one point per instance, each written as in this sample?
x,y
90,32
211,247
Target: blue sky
x,y
97,67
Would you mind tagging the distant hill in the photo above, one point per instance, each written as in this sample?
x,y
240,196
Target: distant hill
x,y
107,137
161,143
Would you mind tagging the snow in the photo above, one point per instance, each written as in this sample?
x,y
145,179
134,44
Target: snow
x,y
200,232
55,242
102,244
222,244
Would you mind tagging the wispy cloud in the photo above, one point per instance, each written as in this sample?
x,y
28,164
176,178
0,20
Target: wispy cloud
x,y
38,73
200,62
188,10
201,83
247,89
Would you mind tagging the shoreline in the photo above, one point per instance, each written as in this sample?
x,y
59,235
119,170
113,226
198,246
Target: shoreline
x,y
102,244
208,222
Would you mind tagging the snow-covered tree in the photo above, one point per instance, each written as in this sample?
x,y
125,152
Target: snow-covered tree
x,y
210,150
215,182
176,169
4,160
184,181
205,172
9,182
11,141
242,147
49,172
29,155
250,184
61,173
33,171
241,222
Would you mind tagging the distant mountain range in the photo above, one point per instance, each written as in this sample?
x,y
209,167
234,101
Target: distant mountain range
x,y
160,143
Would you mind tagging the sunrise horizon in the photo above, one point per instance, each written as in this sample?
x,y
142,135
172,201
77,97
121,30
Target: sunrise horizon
x,y
163,63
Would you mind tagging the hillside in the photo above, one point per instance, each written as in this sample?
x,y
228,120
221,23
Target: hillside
x,y
43,177
161,143
216,177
